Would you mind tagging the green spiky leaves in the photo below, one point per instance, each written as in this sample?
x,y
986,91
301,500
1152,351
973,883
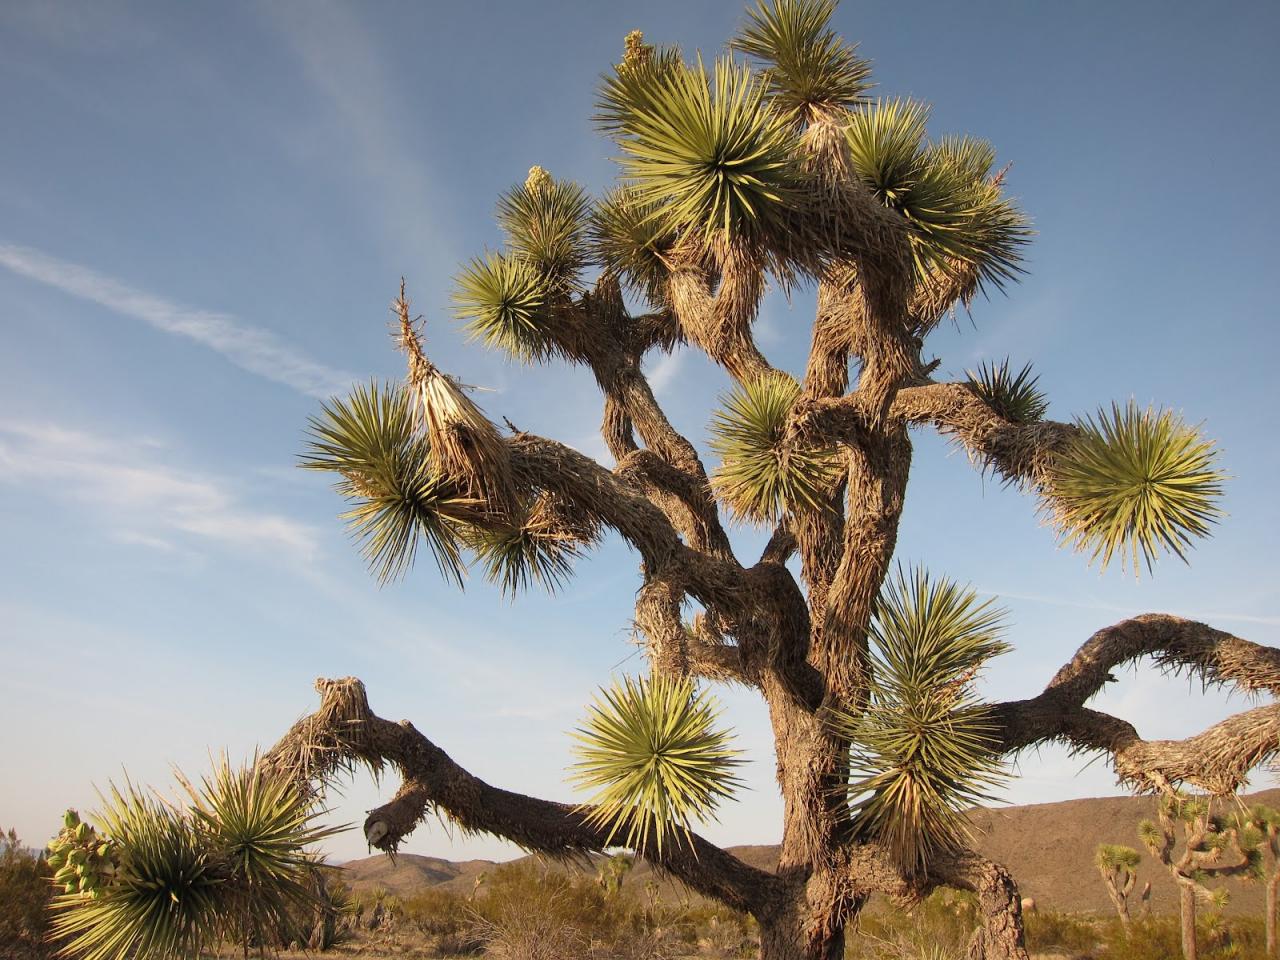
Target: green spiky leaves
x,y
546,221
644,69
811,71
501,300
706,151
1014,396
633,242
175,881
761,475
651,750
538,550
259,825
923,750
1133,483
1115,858
507,300
1152,837
400,499
958,218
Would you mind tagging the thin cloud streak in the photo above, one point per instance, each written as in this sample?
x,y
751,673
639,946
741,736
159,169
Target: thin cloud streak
x,y
252,349
1268,621
150,501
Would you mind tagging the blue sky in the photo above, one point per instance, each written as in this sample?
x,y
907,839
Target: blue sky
x,y
205,210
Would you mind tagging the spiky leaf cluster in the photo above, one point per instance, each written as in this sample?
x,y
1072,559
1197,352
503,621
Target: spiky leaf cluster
x,y
761,475
502,302
706,150
1153,837
1133,483
182,879
630,85
958,219
633,242
509,299
371,440
537,550
810,69
1012,395
545,221
923,750
1116,858
259,827
651,750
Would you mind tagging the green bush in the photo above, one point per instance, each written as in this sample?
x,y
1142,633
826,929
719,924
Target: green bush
x,y
25,891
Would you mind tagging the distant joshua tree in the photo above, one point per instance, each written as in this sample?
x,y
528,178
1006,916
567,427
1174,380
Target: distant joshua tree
x,y
771,165
1260,827
1119,868
1209,851
613,871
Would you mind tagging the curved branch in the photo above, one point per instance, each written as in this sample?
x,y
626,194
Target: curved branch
x,y
345,731
597,330
601,497
699,519
999,935
1020,452
1214,655
719,322
1218,760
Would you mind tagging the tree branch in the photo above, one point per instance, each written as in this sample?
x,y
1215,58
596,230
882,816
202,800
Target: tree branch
x,y
614,353
719,322
999,935
1019,452
1217,760
345,731
699,518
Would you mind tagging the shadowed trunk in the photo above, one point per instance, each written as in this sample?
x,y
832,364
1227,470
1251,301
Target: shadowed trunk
x,y
1273,894
1187,909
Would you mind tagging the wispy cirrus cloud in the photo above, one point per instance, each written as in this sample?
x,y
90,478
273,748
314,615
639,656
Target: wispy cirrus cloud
x,y
357,82
137,498
1263,619
665,369
251,348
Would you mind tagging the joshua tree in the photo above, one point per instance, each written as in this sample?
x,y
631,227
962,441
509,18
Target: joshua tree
x,y
153,878
1259,828
771,165
1210,851
1119,868
613,871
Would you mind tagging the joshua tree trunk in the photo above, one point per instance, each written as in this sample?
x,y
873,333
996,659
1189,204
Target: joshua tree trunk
x,y
1121,905
1187,911
1273,901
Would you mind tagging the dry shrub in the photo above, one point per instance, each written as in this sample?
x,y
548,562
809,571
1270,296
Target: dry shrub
x,y
25,890
937,928
518,933
1066,933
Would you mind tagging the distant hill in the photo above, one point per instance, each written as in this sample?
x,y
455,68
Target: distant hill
x,y
409,873
1048,847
